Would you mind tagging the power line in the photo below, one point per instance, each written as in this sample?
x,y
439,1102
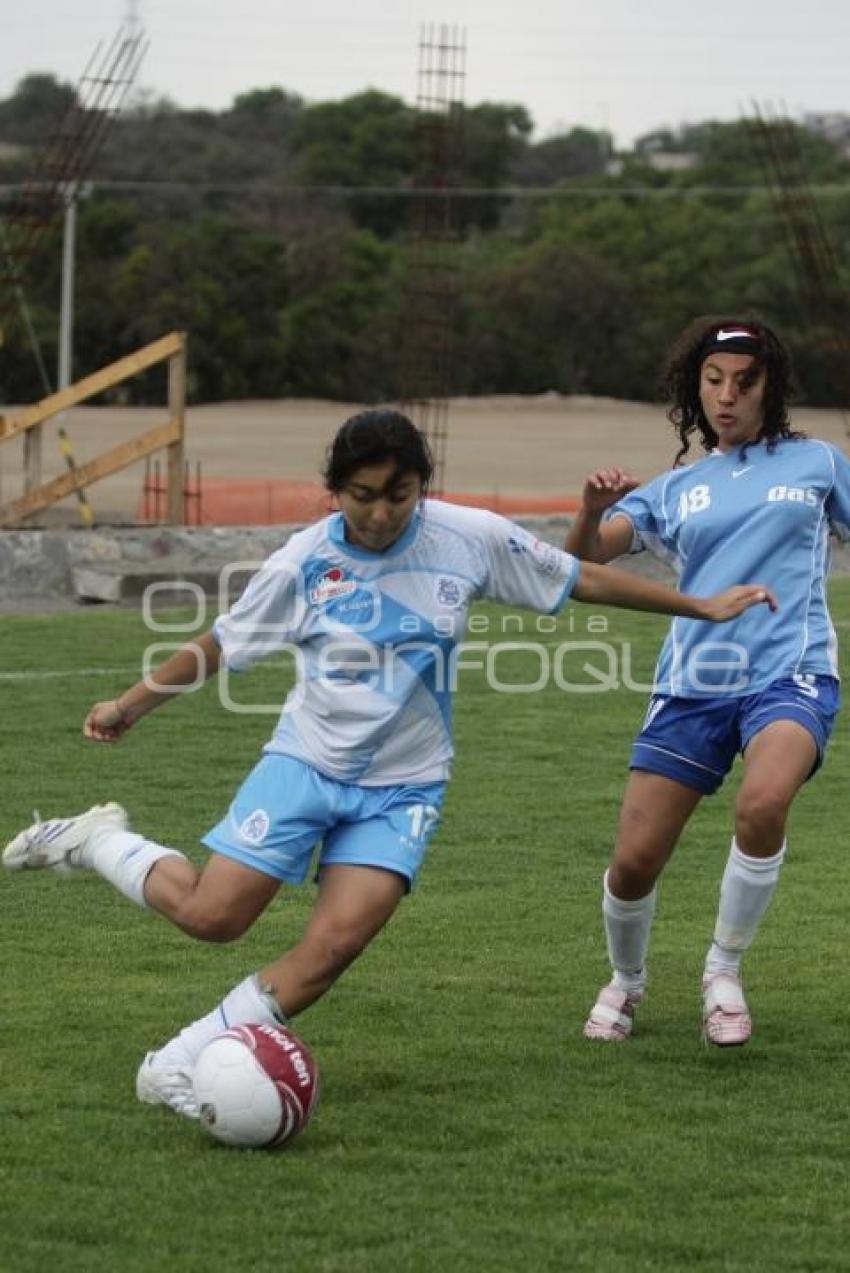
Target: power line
x,y
833,190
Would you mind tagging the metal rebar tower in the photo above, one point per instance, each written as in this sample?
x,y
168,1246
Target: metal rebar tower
x,y
67,155
812,253
431,285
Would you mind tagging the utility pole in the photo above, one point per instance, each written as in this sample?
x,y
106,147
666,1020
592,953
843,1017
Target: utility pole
x,y
66,302
58,182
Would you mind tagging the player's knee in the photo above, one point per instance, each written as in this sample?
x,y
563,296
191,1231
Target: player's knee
x,y
633,878
760,812
635,868
210,924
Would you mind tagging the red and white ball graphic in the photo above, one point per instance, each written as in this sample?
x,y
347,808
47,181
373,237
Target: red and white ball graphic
x,y
256,1086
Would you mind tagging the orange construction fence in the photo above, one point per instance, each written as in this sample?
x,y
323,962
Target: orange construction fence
x,y
250,501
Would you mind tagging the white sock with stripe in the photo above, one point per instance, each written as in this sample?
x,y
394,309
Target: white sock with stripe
x,y
627,929
124,858
246,1004
746,889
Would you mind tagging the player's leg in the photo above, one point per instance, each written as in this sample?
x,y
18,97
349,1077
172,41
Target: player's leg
x,y
218,903
58,843
654,812
784,731
683,752
276,817
353,905
368,862
777,761
165,1075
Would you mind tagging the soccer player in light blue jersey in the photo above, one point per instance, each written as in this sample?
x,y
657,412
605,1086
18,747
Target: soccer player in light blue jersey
x,y
372,601
761,504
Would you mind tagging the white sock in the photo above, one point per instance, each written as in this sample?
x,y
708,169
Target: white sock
x,y
124,858
247,1003
627,928
745,891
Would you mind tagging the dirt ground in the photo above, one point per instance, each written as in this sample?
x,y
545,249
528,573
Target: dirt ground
x,y
517,454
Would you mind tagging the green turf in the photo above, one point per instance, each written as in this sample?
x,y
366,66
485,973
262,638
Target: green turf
x,y
464,1124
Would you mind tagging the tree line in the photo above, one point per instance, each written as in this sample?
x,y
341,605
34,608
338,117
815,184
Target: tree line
x,y
279,235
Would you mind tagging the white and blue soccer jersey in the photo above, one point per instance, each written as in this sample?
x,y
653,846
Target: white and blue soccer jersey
x,y
763,517
373,634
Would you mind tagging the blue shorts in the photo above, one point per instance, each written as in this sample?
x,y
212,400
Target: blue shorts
x,y
695,740
284,808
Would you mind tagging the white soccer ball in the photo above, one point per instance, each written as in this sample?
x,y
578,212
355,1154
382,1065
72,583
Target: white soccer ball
x,y
255,1085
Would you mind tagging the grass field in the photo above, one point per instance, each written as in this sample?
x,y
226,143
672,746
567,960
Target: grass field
x,y
464,1124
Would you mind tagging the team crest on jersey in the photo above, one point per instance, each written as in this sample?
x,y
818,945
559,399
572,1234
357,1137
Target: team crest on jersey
x,y
516,547
330,585
448,593
255,827
545,557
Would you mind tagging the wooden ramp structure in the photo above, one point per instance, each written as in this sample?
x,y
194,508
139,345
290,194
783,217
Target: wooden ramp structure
x,y
38,496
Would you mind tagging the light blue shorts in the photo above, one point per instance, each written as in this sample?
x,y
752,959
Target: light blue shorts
x,y
284,808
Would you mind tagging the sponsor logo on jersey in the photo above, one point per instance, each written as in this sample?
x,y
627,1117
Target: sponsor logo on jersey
x,y
448,593
516,547
794,494
255,827
330,585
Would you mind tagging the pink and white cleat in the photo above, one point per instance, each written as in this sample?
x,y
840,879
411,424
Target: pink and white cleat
x,y
726,1021
612,1016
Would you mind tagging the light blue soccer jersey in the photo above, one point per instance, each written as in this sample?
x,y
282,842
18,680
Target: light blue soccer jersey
x,y
761,518
373,634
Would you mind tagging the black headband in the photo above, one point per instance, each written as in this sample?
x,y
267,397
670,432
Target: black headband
x,y
737,338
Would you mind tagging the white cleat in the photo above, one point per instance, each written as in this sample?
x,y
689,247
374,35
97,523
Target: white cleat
x,y
166,1085
612,1016
726,1019
55,843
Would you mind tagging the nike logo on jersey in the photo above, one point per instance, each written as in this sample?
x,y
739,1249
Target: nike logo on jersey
x,y
741,472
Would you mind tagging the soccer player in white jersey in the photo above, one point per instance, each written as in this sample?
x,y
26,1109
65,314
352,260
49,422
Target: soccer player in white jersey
x,y
373,602
761,503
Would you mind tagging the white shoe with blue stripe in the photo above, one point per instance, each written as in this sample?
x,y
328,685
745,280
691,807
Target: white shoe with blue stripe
x,y
55,843
169,1085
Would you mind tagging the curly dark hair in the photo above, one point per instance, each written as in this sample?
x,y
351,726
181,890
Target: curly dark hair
x,y
681,380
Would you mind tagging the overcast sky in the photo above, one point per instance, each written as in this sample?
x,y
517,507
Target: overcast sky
x,y
626,65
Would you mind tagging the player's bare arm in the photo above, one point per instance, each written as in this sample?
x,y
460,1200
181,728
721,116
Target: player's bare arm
x,y
605,585
589,537
190,665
